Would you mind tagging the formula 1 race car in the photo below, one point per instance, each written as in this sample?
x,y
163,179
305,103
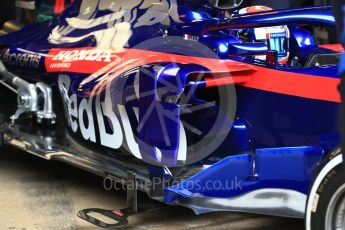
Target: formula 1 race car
x,y
197,103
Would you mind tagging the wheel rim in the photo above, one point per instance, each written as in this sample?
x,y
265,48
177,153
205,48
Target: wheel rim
x,y
335,215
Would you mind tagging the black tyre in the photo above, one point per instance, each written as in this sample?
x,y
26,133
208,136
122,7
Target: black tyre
x,y
325,209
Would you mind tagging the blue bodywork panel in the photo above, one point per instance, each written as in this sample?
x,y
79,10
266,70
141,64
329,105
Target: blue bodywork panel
x,y
285,168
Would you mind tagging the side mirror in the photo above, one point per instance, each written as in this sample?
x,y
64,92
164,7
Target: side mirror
x,y
225,4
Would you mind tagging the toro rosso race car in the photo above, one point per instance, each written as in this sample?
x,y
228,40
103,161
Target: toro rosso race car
x,y
197,103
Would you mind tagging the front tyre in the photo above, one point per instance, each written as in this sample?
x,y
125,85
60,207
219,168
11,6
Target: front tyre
x,y
325,209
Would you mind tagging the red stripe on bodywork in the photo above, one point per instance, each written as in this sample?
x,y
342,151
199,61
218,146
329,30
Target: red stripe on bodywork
x,y
59,6
294,84
233,80
127,59
335,47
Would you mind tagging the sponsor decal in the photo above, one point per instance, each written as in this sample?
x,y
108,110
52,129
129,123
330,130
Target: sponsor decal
x,y
80,60
89,117
22,60
278,35
84,55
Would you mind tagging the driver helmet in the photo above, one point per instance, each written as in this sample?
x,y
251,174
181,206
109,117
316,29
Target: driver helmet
x,y
275,37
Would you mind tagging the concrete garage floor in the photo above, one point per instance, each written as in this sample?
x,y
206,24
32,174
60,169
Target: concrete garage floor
x,y
36,194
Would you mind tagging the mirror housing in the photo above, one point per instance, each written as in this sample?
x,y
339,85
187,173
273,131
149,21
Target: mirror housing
x,y
225,4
